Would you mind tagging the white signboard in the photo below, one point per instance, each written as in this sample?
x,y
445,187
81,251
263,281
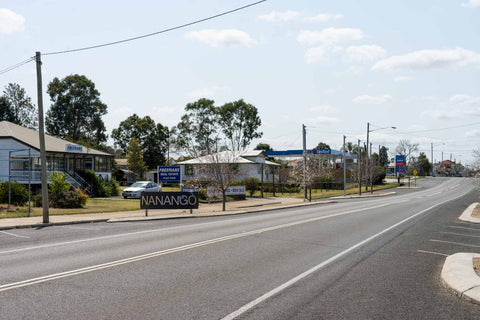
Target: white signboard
x,y
74,148
231,191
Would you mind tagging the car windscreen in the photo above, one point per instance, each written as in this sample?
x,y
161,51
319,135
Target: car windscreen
x,y
139,185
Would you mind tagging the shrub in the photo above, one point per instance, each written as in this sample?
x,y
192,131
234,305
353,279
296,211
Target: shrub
x,y
100,188
67,199
202,194
82,195
18,193
251,184
37,200
58,185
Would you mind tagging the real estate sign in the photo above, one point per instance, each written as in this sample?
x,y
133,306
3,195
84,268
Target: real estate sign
x,y
169,174
169,200
231,191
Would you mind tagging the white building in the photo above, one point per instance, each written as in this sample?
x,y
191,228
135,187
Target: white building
x,y
251,163
17,143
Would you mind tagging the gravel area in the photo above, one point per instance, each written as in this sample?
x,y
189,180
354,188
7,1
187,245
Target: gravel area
x,y
476,211
476,265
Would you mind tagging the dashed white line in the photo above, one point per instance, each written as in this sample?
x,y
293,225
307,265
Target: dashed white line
x,y
461,234
466,228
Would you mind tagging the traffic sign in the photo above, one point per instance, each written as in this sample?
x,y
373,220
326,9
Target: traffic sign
x,y
415,172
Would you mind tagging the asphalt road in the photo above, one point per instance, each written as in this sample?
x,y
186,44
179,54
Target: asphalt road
x,y
375,258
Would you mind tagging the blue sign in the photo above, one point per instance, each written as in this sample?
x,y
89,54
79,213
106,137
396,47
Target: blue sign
x,y
322,151
169,174
400,166
73,148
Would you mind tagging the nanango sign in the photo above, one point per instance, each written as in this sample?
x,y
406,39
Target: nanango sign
x,y
169,200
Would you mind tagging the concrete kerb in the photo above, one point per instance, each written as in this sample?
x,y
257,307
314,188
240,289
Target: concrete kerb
x,y
458,274
42,225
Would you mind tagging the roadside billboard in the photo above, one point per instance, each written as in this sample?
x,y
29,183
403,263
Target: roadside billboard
x,y
169,200
400,165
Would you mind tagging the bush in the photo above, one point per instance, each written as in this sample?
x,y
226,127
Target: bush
x,y
251,184
37,200
67,199
58,185
18,193
100,188
202,194
82,195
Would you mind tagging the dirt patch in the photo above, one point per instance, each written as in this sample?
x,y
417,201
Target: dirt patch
x,y
476,265
476,211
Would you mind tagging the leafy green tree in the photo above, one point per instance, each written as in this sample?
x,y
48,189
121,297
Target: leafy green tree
x,y
76,111
239,122
135,158
153,138
383,157
423,166
17,107
5,110
263,146
198,129
251,184
322,145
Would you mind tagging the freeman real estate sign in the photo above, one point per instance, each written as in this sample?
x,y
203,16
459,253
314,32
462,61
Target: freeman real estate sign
x,y
168,174
169,200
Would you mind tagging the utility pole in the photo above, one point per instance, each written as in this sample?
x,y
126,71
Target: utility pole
x,y
431,155
41,133
304,133
344,170
359,169
368,156
370,169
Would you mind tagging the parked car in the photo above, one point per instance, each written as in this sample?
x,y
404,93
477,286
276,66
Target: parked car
x,y
136,189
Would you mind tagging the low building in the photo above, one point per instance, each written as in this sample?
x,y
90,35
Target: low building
x,y
20,146
251,163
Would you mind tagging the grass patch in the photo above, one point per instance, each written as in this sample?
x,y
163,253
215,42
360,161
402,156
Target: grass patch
x,y
93,206
318,194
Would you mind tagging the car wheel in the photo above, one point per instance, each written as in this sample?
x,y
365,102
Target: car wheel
x,y
124,197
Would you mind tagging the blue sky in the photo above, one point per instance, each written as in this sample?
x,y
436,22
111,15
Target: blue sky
x,y
333,66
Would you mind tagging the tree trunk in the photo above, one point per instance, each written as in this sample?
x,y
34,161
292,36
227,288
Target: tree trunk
x,y
224,199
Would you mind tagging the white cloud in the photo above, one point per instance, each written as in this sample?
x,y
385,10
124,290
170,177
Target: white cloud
x,y
279,16
367,99
429,59
329,36
10,22
465,99
324,17
222,38
321,120
324,109
471,4
209,92
364,53
402,79
472,133
351,71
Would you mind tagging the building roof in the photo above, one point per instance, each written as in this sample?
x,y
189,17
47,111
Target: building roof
x,y
30,137
239,157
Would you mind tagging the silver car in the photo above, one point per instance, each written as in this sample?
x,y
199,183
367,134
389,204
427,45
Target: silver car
x,y
136,189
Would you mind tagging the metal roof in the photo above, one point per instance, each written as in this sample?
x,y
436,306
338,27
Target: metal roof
x,y
30,138
299,153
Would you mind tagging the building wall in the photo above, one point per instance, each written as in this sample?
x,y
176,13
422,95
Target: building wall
x,y
9,144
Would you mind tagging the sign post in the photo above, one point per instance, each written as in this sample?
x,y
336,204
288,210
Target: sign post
x,y
168,200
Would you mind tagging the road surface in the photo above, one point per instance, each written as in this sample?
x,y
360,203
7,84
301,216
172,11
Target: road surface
x,y
373,258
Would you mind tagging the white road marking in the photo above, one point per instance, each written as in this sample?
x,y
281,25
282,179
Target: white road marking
x,y
457,243
70,273
301,276
461,234
432,252
159,230
14,235
466,228
432,194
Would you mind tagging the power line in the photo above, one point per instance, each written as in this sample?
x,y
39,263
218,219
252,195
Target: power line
x,y
16,65
155,33
440,129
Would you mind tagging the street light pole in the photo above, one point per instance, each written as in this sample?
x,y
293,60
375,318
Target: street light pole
x,y
344,169
359,170
367,162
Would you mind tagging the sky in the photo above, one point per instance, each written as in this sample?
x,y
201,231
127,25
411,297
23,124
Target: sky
x,y
331,65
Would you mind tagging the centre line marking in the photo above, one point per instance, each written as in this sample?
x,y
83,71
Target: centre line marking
x,y
111,264
303,275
